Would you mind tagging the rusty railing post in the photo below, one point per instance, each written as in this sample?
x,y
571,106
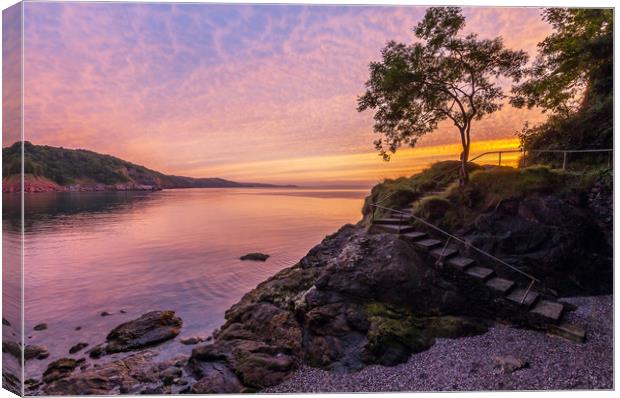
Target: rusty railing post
x,y
527,292
564,161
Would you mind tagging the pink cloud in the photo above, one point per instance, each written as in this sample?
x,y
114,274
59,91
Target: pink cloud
x,y
180,90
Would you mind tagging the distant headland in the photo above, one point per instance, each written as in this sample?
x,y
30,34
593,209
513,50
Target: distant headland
x,y
49,169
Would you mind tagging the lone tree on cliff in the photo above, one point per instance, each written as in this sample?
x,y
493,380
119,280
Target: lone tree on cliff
x,y
443,77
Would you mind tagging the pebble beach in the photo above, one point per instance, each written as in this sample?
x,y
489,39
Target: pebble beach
x,y
471,363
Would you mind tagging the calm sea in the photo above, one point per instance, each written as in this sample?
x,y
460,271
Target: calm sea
x,y
178,250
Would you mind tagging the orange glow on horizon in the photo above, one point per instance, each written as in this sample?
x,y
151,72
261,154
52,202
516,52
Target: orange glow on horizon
x,y
361,168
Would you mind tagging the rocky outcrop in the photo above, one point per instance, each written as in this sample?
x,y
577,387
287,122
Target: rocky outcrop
x,y
60,368
151,328
355,299
130,375
31,183
557,240
136,373
35,351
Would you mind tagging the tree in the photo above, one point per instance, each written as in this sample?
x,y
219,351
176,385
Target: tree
x,y
444,77
572,79
574,64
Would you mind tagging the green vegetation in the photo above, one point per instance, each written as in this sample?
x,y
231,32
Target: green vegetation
x,y
397,193
443,202
71,166
572,79
459,206
65,166
443,76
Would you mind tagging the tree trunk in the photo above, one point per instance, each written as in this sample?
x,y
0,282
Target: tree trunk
x,y
464,173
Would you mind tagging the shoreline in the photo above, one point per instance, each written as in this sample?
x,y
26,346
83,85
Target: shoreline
x,y
132,188
468,363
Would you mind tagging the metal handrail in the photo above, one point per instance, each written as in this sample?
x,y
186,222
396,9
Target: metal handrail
x,y
467,244
523,150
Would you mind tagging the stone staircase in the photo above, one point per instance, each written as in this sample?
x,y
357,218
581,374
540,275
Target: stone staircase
x,y
531,306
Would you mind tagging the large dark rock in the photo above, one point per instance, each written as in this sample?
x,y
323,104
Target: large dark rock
x,y
355,299
151,328
59,369
556,240
12,347
128,375
35,351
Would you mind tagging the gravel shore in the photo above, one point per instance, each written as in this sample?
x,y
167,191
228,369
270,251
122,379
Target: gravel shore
x,y
468,364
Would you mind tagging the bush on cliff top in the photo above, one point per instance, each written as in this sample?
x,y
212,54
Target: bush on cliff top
x,y
458,206
396,193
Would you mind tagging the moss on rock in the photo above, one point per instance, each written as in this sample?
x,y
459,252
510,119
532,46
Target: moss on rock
x,y
395,333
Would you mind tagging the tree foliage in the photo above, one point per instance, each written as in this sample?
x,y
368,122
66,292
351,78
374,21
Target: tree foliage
x,y
571,78
444,76
64,166
573,64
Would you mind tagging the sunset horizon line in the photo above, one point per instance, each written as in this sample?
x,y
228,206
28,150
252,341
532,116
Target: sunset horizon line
x,y
355,170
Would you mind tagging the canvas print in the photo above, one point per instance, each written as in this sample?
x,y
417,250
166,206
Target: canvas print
x,y
245,198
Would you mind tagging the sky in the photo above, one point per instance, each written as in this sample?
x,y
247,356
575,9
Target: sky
x,y
263,93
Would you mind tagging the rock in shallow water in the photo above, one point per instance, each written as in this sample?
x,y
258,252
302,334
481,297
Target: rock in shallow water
x,y
35,351
151,328
255,257
77,347
192,340
40,326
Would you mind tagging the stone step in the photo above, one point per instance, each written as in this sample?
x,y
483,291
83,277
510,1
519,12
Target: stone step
x,y
460,263
393,220
548,310
444,253
428,244
570,332
414,235
500,285
480,273
393,229
517,295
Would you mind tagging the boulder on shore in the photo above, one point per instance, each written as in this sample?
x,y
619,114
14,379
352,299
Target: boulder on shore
x,y
151,328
